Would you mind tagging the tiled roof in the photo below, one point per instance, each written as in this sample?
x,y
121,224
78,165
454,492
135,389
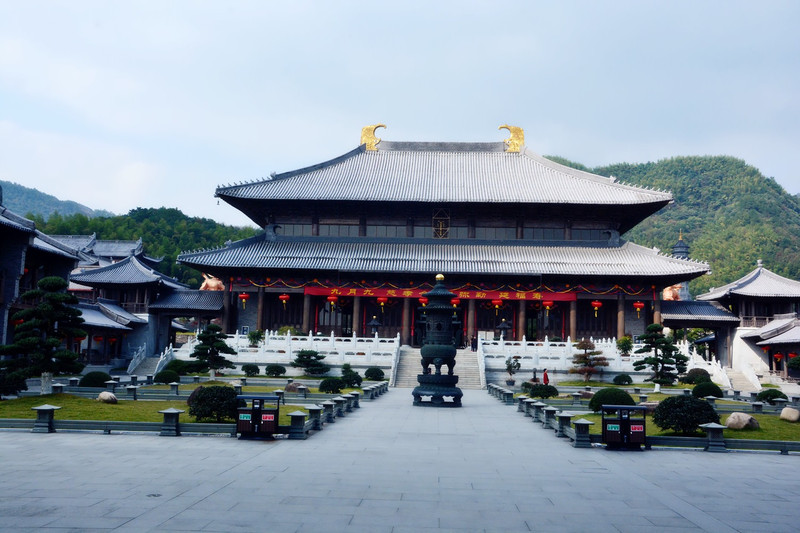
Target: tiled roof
x,y
445,172
117,313
83,243
13,220
780,324
696,312
94,317
760,283
129,271
50,245
190,300
446,256
117,248
790,336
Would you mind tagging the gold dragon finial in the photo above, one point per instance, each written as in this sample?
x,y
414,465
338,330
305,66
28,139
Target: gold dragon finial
x,y
516,140
368,136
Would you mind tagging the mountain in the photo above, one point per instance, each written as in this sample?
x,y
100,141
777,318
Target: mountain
x,y
24,200
730,215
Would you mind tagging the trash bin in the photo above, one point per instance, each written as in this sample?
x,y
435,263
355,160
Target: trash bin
x,y
624,426
260,419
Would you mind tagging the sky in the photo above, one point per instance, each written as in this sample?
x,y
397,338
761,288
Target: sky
x,y
119,105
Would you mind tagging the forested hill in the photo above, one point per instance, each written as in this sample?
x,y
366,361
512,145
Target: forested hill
x,y
24,200
730,214
165,232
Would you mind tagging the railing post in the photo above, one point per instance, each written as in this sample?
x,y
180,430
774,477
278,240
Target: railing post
x,y
297,425
132,391
170,427
537,411
549,417
315,415
576,398
758,407
44,418
716,443
73,382
582,438
520,405
280,394
173,388
340,402
356,395
111,385
528,406
58,388
564,419
328,410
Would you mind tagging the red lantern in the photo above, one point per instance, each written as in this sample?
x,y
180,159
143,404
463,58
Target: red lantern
x,y
792,355
596,304
548,305
778,356
497,304
244,297
382,300
17,322
80,339
638,306
456,302
332,300
423,301
97,338
284,298
112,339
765,348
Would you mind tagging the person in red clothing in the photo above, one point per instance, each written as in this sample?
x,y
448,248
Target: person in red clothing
x,y
545,377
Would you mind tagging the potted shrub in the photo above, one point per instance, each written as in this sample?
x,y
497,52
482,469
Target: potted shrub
x,y
512,366
254,337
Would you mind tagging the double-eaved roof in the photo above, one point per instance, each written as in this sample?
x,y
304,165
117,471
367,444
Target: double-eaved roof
x,y
129,271
760,283
431,256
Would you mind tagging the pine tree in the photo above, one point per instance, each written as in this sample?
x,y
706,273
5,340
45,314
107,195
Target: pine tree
x,y
212,344
39,346
665,360
588,361
311,362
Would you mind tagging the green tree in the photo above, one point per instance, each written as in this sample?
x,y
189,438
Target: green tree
x,y
210,348
589,361
311,362
665,360
39,341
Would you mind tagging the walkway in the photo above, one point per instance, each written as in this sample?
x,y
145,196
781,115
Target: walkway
x,y
388,467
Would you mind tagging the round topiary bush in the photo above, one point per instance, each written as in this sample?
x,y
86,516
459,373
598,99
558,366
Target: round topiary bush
x,y
684,414
373,373
94,379
275,371
610,396
623,379
539,390
695,376
706,388
250,370
769,395
331,385
166,376
216,403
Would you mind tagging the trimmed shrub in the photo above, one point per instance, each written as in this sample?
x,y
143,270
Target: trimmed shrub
x,y
331,385
373,373
311,362
539,390
610,396
350,377
94,379
190,400
250,370
216,403
769,395
12,382
182,367
706,388
275,371
695,376
166,376
623,379
684,414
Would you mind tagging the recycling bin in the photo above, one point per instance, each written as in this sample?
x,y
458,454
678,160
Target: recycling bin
x,y
260,419
624,426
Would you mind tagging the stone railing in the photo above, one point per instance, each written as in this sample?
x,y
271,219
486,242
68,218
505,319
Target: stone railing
x,y
138,356
166,356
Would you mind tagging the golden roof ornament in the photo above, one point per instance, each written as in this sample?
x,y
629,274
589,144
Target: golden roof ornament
x,y
368,136
516,140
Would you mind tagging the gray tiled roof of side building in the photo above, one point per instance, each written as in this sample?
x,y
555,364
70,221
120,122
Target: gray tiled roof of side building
x,y
190,299
128,271
758,283
445,172
694,310
447,256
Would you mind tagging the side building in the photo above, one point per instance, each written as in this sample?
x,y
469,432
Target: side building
x,y
530,247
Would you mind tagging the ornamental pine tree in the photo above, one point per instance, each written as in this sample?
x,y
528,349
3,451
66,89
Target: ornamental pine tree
x,y
588,361
665,359
39,340
210,347
311,362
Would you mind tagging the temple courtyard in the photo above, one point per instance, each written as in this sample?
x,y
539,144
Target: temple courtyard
x,y
388,467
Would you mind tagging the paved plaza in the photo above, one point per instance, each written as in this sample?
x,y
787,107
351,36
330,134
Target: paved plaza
x,y
388,467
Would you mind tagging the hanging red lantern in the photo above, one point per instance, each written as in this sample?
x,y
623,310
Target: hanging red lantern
x,y
596,305
792,355
765,348
638,306
456,302
548,305
423,301
112,339
382,300
778,356
97,338
80,339
497,304
244,297
284,298
17,322
332,300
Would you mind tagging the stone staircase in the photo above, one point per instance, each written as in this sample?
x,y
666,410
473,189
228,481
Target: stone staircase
x,y
148,366
739,381
408,366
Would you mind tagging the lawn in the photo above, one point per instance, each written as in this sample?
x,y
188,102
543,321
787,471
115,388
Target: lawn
x,y
188,387
77,408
